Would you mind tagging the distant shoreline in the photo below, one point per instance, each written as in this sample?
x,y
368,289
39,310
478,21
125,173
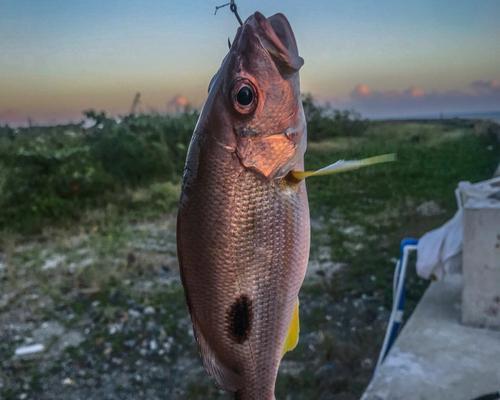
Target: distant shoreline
x,y
493,116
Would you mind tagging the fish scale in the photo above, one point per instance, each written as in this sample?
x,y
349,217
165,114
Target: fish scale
x,y
267,215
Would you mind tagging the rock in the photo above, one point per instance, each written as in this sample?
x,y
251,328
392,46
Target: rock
x,y
429,209
29,350
68,382
53,262
115,328
149,310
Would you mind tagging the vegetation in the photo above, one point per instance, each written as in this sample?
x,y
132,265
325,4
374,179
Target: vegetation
x,y
101,270
325,122
54,175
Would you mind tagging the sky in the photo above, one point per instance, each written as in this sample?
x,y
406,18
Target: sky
x,y
382,58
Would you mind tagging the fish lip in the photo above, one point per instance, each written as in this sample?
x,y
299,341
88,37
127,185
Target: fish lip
x,y
276,36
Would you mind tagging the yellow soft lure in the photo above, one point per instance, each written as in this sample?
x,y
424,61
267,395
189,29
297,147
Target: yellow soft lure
x,y
344,165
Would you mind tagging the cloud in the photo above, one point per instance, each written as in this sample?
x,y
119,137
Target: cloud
x,y
480,95
361,90
488,87
177,104
414,92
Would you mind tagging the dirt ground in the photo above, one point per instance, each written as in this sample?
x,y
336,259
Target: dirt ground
x,y
107,313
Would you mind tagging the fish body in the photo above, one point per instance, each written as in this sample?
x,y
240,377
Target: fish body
x,y
243,227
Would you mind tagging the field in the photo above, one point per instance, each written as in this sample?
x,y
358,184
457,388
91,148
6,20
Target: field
x,y
88,266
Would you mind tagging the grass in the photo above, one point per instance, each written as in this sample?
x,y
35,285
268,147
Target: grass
x,y
382,199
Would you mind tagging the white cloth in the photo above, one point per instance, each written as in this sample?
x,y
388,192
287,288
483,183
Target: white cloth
x,y
439,251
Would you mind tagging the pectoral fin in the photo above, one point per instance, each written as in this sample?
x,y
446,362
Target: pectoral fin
x,y
344,165
266,154
292,338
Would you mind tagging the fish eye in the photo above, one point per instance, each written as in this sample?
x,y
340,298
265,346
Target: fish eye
x,y
245,96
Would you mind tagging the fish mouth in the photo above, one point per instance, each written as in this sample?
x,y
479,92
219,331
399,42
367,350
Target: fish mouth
x,y
276,36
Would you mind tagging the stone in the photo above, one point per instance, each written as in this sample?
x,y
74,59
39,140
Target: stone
x,y
53,262
29,350
149,310
429,209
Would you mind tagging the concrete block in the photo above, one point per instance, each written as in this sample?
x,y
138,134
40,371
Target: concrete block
x,y
436,357
481,265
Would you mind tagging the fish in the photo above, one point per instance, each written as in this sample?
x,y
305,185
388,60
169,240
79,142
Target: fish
x,y
243,227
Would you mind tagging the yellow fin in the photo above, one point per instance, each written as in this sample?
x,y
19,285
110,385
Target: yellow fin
x,y
292,338
344,165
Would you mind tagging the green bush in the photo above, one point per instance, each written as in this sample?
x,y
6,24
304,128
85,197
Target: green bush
x,y
48,177
57,173
324,122
159,197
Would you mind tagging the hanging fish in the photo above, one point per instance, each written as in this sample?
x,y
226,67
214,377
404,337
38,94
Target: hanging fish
x,y
243,222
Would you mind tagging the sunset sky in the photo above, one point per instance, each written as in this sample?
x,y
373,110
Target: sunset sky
x,y
383,58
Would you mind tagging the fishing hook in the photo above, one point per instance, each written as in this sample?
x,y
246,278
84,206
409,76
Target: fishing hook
x,y
234,9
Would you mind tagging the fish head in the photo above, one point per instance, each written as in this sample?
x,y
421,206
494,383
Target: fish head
x,y
254,99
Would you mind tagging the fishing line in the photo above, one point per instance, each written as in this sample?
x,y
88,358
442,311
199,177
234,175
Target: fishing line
x,y
234,9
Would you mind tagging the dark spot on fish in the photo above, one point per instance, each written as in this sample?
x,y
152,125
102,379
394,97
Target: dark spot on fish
x,y
240,319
